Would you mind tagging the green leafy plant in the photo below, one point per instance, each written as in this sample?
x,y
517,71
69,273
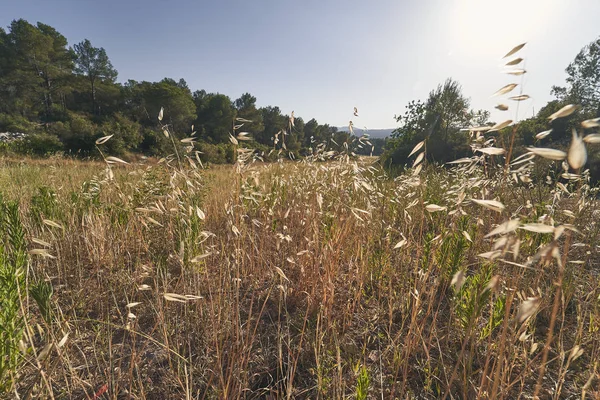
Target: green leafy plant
x,y
13,265
362,383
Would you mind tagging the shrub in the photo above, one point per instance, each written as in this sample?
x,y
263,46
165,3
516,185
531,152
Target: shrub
x,y
221,153
154,143
13,265
15,123
41,144
79,136
127,134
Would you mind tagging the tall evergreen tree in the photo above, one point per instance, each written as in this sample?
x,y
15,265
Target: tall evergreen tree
x,y
37,68
274,122
246,109
93,63
215,116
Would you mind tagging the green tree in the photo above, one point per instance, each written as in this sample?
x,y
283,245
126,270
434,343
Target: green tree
x,y
310,130
93,63
5,65
127,135
245,106
274,122
583,81
36,69
215,116
447,111
342,141
48,90
57,71
295,138
143,101
325,133
583,88
438,121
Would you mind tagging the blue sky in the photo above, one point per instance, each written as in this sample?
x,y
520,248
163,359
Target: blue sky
x,y
321,58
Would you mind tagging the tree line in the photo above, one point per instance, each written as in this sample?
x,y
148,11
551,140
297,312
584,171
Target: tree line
x,y
442,120
64,98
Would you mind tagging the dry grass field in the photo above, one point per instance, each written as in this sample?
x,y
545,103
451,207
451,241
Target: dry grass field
x,y
302,279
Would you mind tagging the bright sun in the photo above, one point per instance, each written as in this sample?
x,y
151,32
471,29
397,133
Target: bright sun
x,y
483,27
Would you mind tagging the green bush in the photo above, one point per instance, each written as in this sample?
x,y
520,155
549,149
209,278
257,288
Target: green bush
x,y
41,144
155,143
216,153
78,135
16,123
59,129
263,151
230,153
395,156
127,135
57,114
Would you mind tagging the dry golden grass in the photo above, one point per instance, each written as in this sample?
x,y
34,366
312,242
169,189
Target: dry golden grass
x,y
321,278
305,280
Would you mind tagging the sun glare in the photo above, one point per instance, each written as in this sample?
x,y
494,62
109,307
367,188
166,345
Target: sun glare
x,y
491,27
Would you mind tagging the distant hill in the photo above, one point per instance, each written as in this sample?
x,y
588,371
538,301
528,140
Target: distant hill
x,y
374,133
